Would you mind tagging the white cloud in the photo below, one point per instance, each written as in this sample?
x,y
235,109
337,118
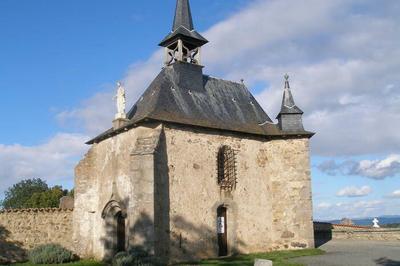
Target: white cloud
x,y
52,161
323,205
354,191
379,168
355,209
375,169
343,57
95,114
340,85
395,194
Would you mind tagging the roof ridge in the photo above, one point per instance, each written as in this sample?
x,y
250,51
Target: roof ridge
x,y
226,80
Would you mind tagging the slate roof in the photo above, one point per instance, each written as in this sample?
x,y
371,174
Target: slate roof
x,y
192,37
182,94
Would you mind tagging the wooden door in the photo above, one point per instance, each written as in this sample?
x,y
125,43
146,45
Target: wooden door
x,y
222,232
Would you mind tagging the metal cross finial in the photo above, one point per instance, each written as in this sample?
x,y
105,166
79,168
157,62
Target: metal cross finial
x,y
286,77
287,86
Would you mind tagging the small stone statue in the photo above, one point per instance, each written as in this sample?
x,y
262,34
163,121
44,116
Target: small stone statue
x,y
375,221
121,102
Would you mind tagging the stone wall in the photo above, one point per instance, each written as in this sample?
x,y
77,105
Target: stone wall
x,y
22,230
164,178
117,169
379,234
270,209
325,232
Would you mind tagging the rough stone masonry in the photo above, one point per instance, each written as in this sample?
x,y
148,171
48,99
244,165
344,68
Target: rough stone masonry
x,y
22,230
170,194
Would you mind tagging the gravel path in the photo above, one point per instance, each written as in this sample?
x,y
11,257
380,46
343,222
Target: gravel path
x,y
356,253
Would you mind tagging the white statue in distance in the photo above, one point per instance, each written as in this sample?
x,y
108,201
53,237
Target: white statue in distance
x,y
375,221
121,102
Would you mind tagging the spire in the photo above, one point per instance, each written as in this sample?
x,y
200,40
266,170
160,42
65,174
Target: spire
x,y
183,15
184,42
288,104
290,115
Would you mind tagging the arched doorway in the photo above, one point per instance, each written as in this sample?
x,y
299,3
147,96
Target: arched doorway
x,y
121,238
115,229
222,231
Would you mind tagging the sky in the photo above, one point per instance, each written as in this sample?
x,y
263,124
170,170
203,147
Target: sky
x,y
60,60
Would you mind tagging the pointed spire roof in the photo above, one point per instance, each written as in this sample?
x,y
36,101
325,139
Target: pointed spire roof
x,y
183,15
288,104
183,27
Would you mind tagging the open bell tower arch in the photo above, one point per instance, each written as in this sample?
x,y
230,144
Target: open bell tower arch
x,y
183,43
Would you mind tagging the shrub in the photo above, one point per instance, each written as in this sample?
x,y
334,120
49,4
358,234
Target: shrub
x,y
138,252
123,259
136,257
50,254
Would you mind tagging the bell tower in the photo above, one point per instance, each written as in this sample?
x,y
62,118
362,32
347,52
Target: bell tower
x,y
184,43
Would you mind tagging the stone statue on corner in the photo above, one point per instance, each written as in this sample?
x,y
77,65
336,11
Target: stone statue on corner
x,y
121,102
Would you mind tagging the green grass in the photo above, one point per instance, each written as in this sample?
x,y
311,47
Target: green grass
x,y
280,258
77,263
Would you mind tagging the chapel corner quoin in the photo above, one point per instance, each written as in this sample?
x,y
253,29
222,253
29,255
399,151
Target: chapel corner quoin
x,y
196,168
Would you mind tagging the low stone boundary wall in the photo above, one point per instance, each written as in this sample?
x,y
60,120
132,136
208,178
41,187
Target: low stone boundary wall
x,y
348,232
325,232
22,230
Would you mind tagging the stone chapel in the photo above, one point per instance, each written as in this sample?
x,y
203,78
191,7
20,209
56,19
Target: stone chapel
x,y
196,168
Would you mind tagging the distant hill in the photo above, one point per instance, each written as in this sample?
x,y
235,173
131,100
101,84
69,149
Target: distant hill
x,y
387,219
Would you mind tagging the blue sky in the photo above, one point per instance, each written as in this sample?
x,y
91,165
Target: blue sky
x,y
56,53
59,61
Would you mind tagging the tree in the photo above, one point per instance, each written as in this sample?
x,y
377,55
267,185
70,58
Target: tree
x,y
71,193
33,193
394,225
47,199
17,195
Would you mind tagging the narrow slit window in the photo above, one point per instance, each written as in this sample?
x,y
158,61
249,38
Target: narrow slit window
x,y
227,168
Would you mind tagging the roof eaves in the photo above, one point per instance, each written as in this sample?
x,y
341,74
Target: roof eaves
x,y
285,134
185,33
